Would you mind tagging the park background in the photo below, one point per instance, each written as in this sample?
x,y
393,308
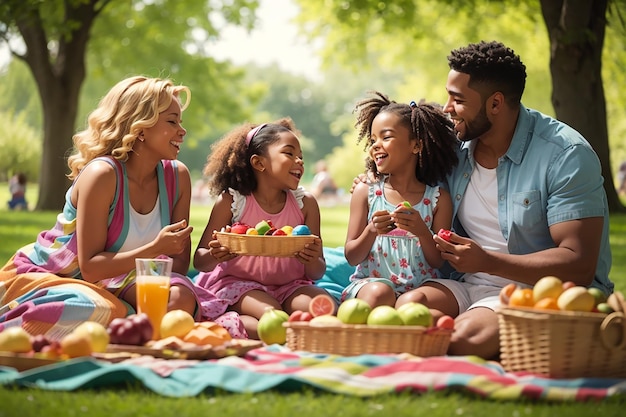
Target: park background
x,y
330,61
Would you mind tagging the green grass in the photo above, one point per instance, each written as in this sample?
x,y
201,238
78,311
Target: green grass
x,y
137,402
19,228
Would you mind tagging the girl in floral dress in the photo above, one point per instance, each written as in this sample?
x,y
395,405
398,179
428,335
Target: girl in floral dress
x,y
411,148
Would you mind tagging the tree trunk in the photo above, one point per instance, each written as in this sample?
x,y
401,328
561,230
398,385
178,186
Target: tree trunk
x,y
59,115
59,74
576,29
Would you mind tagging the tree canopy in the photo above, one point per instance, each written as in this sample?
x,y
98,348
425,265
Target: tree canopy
x,y
65,42
564,36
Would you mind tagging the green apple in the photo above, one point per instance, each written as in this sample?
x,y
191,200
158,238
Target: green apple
x,y
384,316
415,314
354,311
262,227
598,294
271,328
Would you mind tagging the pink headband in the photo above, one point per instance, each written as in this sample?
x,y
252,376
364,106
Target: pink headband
x,y
251,134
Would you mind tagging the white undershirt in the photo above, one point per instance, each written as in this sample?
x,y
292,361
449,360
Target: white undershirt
x,y
478,213
143,228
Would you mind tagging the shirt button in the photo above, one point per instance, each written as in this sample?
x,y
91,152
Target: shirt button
x,y
501,198
458,197
465,175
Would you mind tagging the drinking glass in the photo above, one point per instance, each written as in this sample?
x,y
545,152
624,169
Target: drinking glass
x,y
153,289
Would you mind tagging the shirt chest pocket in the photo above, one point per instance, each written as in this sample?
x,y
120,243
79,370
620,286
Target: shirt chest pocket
x,y
528,210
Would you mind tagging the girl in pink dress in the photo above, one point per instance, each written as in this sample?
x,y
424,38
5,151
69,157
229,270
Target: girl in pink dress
x,y
255,172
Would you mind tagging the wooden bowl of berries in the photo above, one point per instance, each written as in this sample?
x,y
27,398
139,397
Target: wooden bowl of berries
x,y
265,239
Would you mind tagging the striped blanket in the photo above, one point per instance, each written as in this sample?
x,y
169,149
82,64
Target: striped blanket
x,y
46,304
277,368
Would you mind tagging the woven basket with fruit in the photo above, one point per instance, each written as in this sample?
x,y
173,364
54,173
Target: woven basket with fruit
x,y
354,329
561,330
264,239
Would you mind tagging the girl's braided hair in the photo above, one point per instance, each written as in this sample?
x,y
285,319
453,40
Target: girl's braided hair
x,y
434,131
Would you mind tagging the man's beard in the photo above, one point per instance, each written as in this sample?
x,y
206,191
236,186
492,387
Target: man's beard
x,y
476,127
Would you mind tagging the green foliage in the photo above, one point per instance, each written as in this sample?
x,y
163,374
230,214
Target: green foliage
x,y
165,38
21,147
18,93
614,78
180,35
370,34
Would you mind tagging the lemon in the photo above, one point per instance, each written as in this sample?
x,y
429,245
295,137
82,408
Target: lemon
x,y
76,344
547,287
325,320
96,333
16,340
176,323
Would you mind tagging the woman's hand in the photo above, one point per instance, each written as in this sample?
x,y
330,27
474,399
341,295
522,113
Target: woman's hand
x,y
174,238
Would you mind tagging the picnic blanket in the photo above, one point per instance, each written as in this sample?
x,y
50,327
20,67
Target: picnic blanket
x,y
47,304
275,367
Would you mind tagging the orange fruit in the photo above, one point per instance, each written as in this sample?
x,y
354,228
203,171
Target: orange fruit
x,y
522,297
321,304
76,344
505,293
547,303
445,322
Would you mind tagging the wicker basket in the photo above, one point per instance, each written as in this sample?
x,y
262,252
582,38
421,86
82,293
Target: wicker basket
x,y
563,344
254,245
357,339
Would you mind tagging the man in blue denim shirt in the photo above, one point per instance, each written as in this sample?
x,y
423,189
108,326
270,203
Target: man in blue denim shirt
x,y
528,199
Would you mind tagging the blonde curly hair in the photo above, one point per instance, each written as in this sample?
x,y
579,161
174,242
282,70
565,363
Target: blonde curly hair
x,y
130,106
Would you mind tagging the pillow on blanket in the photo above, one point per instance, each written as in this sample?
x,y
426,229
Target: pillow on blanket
x,y
336,278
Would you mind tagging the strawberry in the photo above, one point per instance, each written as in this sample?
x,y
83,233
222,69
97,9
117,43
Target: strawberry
x,y
444,234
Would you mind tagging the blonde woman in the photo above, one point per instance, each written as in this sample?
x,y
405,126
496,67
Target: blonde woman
x,y
129,199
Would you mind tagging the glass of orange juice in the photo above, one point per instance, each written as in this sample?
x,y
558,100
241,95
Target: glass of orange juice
x,y
153,289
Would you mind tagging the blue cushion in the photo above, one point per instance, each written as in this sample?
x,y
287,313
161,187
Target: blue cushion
x,y
338,271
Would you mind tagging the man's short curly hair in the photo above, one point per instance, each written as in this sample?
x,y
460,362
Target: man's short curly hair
x,y
492,67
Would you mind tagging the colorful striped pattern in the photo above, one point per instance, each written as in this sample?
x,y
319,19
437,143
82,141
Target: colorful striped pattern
x,y
54,306
276,368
